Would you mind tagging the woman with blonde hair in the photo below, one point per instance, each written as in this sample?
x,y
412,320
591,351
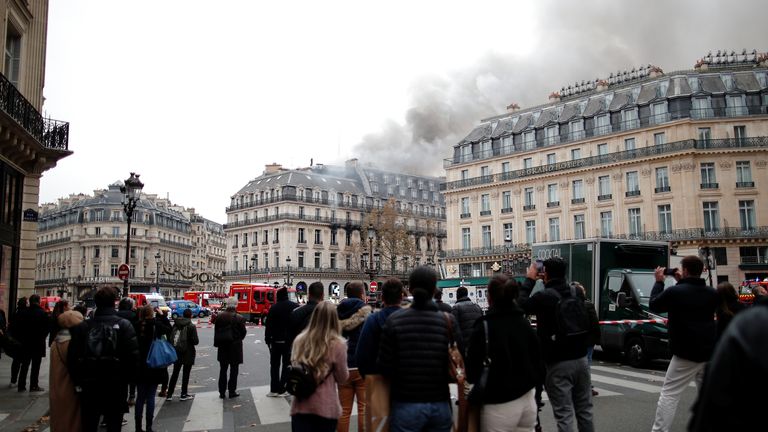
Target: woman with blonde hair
x,y
320,348
64,404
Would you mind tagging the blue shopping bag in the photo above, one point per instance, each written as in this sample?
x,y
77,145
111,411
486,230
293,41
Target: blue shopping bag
x,y
161,354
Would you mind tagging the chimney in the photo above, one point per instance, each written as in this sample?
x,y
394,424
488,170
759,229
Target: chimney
x,y
352,163
554,97
272,168
513,107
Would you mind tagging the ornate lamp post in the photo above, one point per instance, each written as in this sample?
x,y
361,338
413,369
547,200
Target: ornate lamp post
x,y
372,271
288,280
251,267
157,282
63,289
508,258
131,191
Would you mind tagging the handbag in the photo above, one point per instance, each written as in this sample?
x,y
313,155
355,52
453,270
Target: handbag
x,y
376,403
457,374
161,354
477,394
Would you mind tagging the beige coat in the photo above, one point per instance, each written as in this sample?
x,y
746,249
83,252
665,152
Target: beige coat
x,y
64,402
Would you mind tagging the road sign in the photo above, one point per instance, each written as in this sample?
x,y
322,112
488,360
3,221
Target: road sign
x,y
123,271
374,286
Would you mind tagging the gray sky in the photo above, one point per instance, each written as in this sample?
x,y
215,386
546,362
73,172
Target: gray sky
x,y
197,96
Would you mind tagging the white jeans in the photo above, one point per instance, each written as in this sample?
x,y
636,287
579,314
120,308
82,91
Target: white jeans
x,y
518,415
679,374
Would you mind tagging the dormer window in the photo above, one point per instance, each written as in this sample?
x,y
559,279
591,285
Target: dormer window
x,y
728,82
694,84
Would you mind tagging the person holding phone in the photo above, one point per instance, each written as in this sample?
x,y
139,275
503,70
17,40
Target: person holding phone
x,y
691,306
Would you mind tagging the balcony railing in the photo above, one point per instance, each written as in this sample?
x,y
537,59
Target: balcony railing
x,y
487,251
53,242
604,197
632,193
553,204
710,185
754,260
485,213
749,184
662,189
529,207
506,210
629,124
577,201
50,133
610,158
181,245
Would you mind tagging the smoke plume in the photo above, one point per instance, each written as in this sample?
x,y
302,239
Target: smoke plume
x,y
574,41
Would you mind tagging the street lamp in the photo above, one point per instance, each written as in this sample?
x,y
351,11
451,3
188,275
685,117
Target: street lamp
x,y
288,280
508,258
131,191
251,268
371,268
157,282
63,289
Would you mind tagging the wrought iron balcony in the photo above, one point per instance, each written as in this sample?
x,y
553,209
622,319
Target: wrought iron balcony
x,y
49,133
749,184
577,201
53,242
710,185
485,213
488,251
632,193
604,197
553,204
662,189
529,207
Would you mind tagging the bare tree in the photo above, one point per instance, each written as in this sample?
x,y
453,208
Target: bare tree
x,y
393,239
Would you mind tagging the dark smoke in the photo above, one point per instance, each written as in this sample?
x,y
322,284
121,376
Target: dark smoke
x,y
577,41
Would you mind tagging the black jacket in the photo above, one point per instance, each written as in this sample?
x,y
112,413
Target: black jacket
x,y
737,372
543,305
466,314
300,318
128,348
352,314
231,353
31,326
595,335
723,318
414,353
279,322
516,364
443,306
187,357
149,330
691,306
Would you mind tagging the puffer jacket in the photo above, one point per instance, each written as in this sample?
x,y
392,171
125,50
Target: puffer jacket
x,y
414,353
352,314
466,314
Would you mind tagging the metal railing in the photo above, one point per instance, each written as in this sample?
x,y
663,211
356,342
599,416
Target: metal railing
x,y
53,242
486,251
609,158
49,133
630,124
175,243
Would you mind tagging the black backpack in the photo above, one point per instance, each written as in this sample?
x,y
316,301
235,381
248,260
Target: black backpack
x,y
571,316
180,338
101,359
299,380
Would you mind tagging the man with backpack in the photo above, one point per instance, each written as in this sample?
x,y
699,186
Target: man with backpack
x,y
103,358
228,334
563,328
184,338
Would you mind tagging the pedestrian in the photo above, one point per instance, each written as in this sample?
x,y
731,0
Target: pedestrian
x,y
64,405
82,308
690,306
277,339
759,292
466,313
595,333
162,315
3,331
352,315
567,380
184,338
60,307
322,350
513,359
737,372
367,351
13,346
33,328
101,371
441,305
728,306
126,309
228,334
300,316
413,355
150,327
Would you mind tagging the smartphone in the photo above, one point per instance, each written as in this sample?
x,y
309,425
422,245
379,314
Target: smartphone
x,y
670,271
539,266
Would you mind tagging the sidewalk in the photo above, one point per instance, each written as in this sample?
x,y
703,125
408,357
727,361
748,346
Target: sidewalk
x,y
21,411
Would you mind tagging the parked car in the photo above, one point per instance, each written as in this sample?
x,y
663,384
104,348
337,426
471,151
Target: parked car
x,y
178,306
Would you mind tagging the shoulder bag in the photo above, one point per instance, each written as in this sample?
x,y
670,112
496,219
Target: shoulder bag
x,y
477,394
457,374
161,354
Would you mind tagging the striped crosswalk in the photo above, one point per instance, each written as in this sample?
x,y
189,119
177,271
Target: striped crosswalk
x,y
206,412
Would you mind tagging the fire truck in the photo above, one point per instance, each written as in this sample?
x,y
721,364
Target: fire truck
x,y
210,299
254,300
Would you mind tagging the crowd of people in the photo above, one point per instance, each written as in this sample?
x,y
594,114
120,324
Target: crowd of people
x,y
393,362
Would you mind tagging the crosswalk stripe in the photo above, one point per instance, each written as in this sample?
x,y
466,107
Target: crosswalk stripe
x,y
270,410
3,416
646,376
626,383
207,412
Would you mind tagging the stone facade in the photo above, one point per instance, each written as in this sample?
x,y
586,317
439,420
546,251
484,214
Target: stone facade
x,y
677,157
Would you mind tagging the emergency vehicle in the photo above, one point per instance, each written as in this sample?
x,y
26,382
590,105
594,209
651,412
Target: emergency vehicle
x,y
254,300
210,299
156,300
